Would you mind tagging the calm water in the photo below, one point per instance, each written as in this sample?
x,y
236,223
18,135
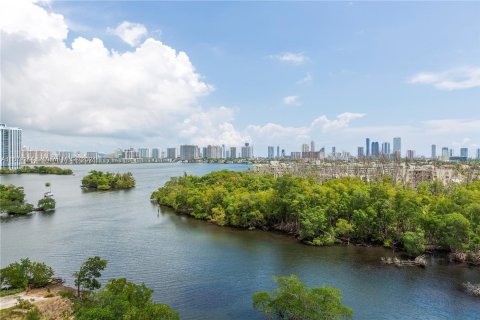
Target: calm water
x,y
209,272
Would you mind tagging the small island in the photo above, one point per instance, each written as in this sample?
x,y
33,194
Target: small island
x,y
12,201
98,180
37,169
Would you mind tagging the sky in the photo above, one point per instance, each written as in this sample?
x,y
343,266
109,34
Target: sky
x,y
95,76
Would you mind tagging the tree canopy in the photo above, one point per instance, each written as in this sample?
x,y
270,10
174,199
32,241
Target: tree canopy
x,y
25,274
121,299
98,180
38,169
12,200
346,209
294,300
90,270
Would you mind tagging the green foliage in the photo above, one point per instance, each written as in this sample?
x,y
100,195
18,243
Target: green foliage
x,y
38,169
26,274
90,270
414,242
12,200
294,300
98,180
121,299
349,209
9,292
46,204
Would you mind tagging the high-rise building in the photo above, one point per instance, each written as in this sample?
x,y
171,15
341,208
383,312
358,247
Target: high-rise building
x,y
233,152
143,153
171,153
397,145
156,153
410,154
129,154
360,152
305,148
478,154
92,155
375,149
35,156
334,150
445,153
312,146
247,151
271,152
189,152
464,152
434,152
278,152
214,152
367,149
11,147
227,154
386,148
223,151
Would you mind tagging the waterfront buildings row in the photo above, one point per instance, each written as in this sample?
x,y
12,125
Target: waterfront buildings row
x,y
13,155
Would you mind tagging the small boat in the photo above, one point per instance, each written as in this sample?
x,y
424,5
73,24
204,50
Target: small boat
x,y
48,194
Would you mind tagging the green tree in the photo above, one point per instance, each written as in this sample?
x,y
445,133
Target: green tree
x,y
90,270
12,200
121,299
414,242
344,228
294,300
26,274
46,204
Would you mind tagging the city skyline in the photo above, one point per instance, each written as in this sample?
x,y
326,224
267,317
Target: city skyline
x,y
171,85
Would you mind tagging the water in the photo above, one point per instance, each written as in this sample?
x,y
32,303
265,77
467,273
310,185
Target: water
x,y
210,272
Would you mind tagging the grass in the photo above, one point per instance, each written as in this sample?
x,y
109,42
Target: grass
x,y
4,293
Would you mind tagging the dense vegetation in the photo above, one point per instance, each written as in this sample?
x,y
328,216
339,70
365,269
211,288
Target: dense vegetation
x,y
38,169
12,200
99,180
294,300
347,209
46,204
25,274
121,299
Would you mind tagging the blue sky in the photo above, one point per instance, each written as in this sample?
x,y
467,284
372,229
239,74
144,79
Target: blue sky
x,y
396,69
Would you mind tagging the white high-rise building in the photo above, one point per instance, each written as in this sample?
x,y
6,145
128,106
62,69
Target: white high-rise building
x,y
11,147
143,153
214,152
434,152
247,151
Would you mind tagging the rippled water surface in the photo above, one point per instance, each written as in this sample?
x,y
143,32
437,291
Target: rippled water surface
x,y
209,272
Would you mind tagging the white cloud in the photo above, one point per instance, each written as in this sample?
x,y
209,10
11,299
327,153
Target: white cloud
x,y
131,33
292,101
293,58
322,123
86,89
454,79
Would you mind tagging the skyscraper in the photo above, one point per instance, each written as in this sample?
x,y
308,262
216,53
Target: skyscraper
x,y
305,148
367,142
360,152
375,149
171,153
445,153
312,146
434,151
334,150
278,152
156,153
397,147
478,154
410,154
247,151
271,152
214,152
386,148
464,152
233,152
143,153
189,152
11,147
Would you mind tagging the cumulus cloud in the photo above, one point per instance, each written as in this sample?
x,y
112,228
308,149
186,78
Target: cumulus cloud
x,y
293,101
86,89
454,79
322,123
131,33
293,58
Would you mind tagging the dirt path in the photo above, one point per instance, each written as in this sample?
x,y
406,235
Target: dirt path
x,y
31,296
